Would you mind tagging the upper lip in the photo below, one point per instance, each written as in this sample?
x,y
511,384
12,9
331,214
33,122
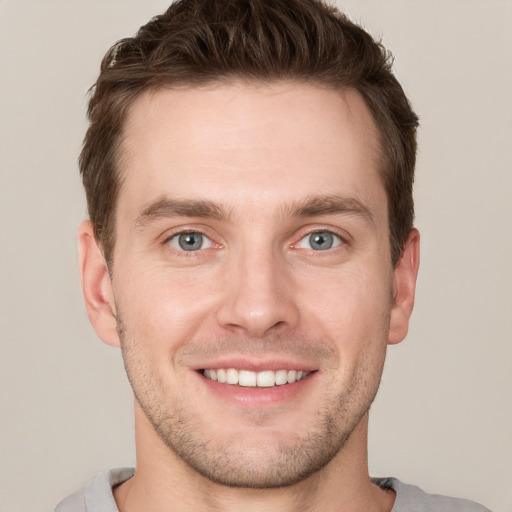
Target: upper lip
x,y
255,365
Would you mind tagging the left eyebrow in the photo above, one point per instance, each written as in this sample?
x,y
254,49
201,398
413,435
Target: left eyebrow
x,y
315,206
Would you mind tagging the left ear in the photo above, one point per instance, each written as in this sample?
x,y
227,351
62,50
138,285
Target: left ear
x,y
404,286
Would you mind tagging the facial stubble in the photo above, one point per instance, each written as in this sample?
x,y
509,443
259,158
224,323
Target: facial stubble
x,y
234,461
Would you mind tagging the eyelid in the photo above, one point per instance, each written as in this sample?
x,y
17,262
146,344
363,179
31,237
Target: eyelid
x,y
307,231
175,233
173,241
338,240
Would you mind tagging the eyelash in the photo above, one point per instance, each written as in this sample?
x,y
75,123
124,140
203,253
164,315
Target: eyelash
x,y
177,235
338,241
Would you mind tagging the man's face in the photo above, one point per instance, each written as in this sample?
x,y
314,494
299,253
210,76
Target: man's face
x,y
252,245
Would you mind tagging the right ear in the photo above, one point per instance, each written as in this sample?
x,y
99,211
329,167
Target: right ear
x,y
97,286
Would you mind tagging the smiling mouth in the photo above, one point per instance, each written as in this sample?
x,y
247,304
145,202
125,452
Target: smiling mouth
x,y
247,378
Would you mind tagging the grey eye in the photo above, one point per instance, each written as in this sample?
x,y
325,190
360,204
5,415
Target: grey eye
x,y
190,241
320,241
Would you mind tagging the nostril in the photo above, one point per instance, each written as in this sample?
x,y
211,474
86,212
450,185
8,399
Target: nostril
x,y
256,313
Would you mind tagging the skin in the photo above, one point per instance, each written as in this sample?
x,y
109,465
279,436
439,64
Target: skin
x,y
256,169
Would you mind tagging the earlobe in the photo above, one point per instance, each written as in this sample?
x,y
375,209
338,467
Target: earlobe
x,y
96,286
404,286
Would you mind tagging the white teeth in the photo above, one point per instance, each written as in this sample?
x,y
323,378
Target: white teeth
x,y
231,376
266,379
281,377
246,378
221,376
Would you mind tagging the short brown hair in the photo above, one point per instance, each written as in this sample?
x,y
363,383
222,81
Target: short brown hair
x,y
202,41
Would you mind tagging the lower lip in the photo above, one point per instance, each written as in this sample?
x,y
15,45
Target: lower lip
x,y
258,397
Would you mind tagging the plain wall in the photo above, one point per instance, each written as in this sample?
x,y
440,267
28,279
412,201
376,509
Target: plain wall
x,y
443,417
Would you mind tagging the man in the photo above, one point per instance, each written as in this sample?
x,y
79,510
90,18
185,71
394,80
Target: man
x,y
248,171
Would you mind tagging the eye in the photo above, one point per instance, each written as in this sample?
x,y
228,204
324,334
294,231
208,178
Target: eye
x,y
320,241
192,241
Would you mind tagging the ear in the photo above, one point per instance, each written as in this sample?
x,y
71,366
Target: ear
x,y
404,286
96,286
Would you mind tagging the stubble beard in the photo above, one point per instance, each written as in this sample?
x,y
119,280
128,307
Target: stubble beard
x,y
234,462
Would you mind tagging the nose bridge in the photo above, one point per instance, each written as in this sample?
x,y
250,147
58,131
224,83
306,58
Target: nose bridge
x,y
258,297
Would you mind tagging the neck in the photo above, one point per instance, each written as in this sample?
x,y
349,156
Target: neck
x,y
163,482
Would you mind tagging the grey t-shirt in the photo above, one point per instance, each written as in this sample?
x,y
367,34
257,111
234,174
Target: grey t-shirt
x,y
97,496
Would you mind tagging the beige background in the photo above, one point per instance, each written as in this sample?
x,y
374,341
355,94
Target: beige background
x,y
443,419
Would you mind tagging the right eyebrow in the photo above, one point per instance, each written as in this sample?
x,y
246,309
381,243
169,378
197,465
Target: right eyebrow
x,y
166,208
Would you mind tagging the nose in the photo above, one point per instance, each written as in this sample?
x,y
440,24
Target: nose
x,y
258,298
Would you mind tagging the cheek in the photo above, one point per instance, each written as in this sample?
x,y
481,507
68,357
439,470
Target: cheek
x,y
352,310
350,301
163,306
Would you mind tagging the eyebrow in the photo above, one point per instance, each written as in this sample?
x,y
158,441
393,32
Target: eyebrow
x,y
328,205
312,206
167,208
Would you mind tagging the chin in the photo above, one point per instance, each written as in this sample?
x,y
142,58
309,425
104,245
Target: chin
x,y
256,458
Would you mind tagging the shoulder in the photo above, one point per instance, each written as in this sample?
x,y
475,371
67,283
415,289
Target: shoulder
x,y
97,494
410,498
73,503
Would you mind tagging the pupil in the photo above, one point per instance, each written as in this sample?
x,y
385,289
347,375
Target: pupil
x,y
321,241
191,241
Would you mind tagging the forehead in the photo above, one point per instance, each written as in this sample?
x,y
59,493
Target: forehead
x,y
229,142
